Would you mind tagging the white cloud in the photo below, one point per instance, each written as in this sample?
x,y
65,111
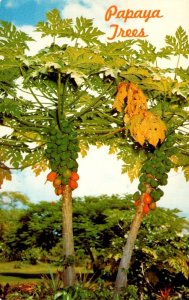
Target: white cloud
x,y
14,3
175,13
34,187
9,4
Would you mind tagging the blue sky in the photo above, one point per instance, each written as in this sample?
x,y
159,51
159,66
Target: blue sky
x,y
22,12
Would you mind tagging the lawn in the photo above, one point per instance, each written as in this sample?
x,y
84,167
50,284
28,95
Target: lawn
x,y
16,272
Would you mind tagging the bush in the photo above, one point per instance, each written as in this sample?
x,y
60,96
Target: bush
x,y
32,256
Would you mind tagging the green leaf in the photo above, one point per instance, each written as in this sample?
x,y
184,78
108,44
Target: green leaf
x,y
178,44
132,160
10,107
12,41
85,31
33,158
55,26
135,74
58,27
147,51
82,59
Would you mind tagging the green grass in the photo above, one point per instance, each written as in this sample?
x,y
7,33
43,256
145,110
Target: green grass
x,y
9,273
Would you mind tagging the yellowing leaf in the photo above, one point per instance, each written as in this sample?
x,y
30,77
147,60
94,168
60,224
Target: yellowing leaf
x,y
136,130
134,172
159,85
83,149
120,97
99,145
150,252
112,149
143,124
186,172
136,101
5,173
148,127
40,167
133,96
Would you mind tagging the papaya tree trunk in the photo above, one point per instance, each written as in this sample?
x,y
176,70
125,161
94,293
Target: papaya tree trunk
x,y
68,241
121,279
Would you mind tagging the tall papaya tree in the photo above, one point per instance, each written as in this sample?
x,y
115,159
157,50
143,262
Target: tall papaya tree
x,y
53,102
156,116
79,91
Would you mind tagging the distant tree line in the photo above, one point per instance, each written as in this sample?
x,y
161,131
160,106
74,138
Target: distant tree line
x,y
32,232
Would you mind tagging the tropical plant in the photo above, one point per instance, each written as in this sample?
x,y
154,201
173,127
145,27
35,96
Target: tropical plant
x,y
61,100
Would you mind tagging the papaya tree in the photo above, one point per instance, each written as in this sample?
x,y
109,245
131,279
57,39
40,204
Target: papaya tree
x,y
80,91
53,102
158,123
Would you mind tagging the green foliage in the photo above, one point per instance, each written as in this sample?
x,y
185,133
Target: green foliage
x,y
58,27
32,255
79,82
55,26
12,40
178,44
100,226
30,232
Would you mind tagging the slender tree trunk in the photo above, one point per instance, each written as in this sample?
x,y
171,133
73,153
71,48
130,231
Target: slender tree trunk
x,y
121,279
68,242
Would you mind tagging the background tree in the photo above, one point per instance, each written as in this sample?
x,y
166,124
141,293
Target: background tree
x,y
100,225
71,88
38,227
12,204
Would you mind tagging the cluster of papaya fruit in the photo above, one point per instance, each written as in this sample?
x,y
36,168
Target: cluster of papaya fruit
x,y
154,173
58,181
62,152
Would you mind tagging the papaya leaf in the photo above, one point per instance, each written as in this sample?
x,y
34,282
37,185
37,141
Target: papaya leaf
x,y
84,147
5,173
58,27
10,107
33,158
120,96
186,172
82,59
85,31
147,51
55,26
136,71
178,44
132,160
13,42
40,167
179,264
147,128
118,49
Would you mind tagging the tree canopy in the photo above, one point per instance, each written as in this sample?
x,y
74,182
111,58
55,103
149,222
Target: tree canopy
x,y
77,77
